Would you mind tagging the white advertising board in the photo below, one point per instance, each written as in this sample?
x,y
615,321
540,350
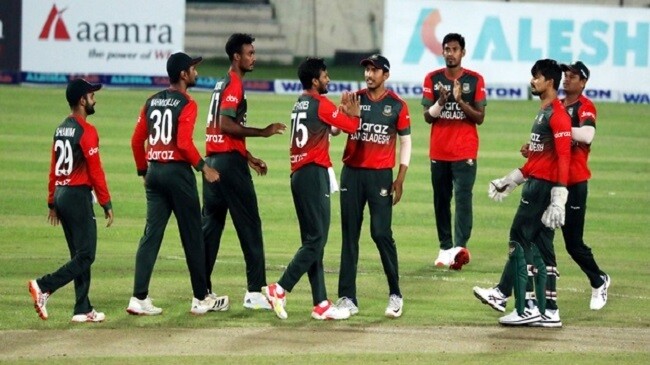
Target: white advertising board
x,y
503,40
96,36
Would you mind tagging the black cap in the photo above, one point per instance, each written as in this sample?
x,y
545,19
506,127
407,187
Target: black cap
x,y
180,62
378,61
77,88
577,67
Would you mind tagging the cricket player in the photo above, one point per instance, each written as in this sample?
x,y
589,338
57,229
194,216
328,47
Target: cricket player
x,y
164,154
454,103
226,150
312,119
367,178
75,173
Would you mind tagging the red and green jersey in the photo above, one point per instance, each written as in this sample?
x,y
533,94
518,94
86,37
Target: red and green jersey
x,y
312,117
549,149
228,98
453,136
75,159
166,123
582,113
372,146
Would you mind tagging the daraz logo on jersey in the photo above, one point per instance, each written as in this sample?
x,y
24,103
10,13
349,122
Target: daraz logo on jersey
x,y
55,28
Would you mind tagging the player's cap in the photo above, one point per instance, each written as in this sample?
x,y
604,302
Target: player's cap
x,y
577,67
378,61
77,88
179,61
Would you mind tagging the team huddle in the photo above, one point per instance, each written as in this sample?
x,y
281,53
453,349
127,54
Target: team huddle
x,y
553,178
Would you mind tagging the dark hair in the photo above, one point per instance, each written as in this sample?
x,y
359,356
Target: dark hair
x,y
235,43
454,37
550,69
310,69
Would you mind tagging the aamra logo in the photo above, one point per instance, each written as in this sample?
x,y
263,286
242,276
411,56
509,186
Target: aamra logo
x,y
54,24
427,22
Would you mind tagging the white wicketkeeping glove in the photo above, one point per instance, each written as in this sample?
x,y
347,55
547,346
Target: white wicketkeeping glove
x,y
500,188
553,216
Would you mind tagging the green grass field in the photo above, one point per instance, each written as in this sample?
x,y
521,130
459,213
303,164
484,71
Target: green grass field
x,y
438,303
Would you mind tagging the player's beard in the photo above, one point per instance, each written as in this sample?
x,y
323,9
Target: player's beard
x,y
90,109
322,88
191,83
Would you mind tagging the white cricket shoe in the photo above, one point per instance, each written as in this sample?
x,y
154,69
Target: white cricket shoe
x,y
492,297
550,319
92,316
347,303
599,295
142,307
39,298
256,300
326,310
221,303
200,307
444,258
529,316
395,305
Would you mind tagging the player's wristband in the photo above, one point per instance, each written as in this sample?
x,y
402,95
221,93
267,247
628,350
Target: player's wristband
x,y
435,109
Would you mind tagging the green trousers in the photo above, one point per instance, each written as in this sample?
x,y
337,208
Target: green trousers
x,y
171,187
73,205
453,179
233,193
311,197
358,187
531,261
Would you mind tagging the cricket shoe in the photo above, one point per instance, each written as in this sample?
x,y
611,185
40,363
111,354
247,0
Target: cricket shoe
x,y
459,257
92,316
599,295
277,299
256,300
492,297
200,307
221,303
444,258
394,308
142,307
347,303
529,316
550,319
39,298
326,310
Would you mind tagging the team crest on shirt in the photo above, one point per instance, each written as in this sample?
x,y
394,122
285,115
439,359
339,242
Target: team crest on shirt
x,y
570,111
388,110
466,88
383,192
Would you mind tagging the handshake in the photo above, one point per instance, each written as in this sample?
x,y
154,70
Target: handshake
x,y
554,214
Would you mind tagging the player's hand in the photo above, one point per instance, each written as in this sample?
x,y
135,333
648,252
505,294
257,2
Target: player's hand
x,y
554,215
274,128
109,215
258,165
456,91
397,188
524,150
210,174
499,189
350,104
444,94
52,217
